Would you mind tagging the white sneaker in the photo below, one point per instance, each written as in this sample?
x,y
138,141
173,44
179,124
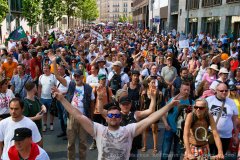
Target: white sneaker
x,y
51,127
44,129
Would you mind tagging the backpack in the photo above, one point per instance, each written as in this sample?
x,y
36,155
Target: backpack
x,y
115,82
183,110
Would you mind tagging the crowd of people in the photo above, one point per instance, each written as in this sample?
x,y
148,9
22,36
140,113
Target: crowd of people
x,y
113,86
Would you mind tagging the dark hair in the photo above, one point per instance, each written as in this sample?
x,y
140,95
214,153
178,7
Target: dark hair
x,y
183,69
114,108
3,81
185,83
16,99
29,86
22,65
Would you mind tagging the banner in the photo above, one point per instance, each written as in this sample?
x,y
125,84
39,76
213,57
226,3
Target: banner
x,y
184,43
96,35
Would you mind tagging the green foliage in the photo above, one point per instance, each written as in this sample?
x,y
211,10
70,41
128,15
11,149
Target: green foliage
x,y
130,19
53,10
3,9
123,19
89,10
32,11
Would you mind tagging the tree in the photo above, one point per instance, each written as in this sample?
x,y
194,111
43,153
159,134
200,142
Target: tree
x,y
32,11
71,8
53,10
88,10
122,19
3,9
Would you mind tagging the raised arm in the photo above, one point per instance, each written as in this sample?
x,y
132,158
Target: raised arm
x,y
142,114
100,94
86,123
62,80
143,124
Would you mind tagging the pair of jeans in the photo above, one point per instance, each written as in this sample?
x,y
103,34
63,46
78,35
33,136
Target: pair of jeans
x,y
75,131
169,138
62,116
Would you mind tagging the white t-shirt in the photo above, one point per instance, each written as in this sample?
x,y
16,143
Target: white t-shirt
x,y
124,78
7,128
92,80
114,145
42,155
47,82
225,123
62,88
78,97
5,98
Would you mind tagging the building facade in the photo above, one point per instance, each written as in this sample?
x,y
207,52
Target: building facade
x,y
158,13
141,13
210,16
112,10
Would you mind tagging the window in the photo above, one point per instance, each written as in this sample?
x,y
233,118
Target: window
x,y
192,4
211,3
232,1
16,5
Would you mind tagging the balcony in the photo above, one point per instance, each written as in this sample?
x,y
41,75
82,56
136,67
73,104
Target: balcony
x,y
174,9
232,1
211,3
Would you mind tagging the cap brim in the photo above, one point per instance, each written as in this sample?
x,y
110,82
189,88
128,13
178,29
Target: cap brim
x,y
125,102
18,138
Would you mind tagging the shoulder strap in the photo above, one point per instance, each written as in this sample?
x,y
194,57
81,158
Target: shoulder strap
x,y
220,113
106,70
107,93
24,84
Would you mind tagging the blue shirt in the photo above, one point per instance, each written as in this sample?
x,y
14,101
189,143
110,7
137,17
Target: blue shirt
x,y
18,84
172,114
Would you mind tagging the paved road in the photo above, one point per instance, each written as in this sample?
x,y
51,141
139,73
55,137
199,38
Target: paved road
x,y
57,148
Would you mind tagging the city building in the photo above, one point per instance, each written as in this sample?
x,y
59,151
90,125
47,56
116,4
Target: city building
x,y
141,13
158,13
210,16
112,10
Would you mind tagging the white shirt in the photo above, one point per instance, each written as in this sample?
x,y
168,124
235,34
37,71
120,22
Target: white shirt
x,y
78,97
7,128
47,82
114,145
225,123
92,80
5,98
61,87
42,155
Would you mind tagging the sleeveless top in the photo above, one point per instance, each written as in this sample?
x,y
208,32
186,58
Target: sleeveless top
x,y
134,95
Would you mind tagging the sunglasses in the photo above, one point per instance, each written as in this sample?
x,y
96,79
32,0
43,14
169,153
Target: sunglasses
x,y
223,91
111,115
199,107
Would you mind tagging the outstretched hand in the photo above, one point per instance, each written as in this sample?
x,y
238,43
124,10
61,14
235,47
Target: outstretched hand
x,y
176,100
57,94
51,56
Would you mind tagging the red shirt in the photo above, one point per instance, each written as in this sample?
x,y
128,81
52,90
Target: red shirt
x,y
33,64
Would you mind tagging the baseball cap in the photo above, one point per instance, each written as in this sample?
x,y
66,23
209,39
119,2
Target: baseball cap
x,y
101,76
78,72
125,99
117,63
22,133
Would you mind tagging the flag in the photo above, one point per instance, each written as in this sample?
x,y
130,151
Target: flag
x,y
17,34
96,35
51,37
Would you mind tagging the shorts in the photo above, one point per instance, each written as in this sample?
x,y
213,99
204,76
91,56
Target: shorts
x,y
46,102
202,151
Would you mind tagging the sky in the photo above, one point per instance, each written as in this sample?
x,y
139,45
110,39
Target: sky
x,y
162,3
